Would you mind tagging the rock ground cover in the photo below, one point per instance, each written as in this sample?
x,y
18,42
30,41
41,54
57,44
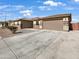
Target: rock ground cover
x,y
5,33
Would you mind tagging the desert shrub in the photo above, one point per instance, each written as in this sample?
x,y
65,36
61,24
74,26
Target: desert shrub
x,y
12,28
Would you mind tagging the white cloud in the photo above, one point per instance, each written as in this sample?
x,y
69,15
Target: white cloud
x,y
76,0
3,6
12,7
14,11
69,8
74,20
50,4
18,7
42,7
26,12
38,1
53,3
45,8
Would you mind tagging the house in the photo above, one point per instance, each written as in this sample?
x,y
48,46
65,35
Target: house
x,y
3,24
75,26
58,22
21,23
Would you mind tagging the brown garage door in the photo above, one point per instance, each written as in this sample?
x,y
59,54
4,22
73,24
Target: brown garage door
x,y
53,24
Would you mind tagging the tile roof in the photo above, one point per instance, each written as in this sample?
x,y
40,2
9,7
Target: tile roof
x,y
52,16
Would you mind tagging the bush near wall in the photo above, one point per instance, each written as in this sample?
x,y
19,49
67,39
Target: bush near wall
x,y
13,29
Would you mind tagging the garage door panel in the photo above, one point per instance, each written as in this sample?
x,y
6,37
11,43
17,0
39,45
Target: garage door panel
x,y
54,25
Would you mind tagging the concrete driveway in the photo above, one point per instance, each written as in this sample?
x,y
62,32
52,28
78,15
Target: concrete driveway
x,y
27,45
40,44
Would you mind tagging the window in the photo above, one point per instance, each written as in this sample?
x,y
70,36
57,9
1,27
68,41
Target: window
x,y
34,22
65,19
37,22
17,23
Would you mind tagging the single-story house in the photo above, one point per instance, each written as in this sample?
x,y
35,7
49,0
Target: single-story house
x,y
21,23
3,24
58,22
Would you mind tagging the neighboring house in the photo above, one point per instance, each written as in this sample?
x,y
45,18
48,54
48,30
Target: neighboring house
x,y
56,22
1,24
75,26
21,23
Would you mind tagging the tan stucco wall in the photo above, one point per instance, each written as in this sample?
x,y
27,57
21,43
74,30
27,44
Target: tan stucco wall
x,y
16,24
0,25
58,23
37,26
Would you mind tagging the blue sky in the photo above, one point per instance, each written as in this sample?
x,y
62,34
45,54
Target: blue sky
x,y
13,9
